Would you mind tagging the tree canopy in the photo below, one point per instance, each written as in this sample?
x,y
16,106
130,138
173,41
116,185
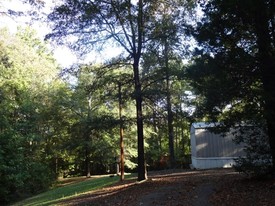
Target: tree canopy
x,y
27,82
234,66
138,105
127,24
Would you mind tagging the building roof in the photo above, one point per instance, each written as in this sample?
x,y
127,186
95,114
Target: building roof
x,y
202,125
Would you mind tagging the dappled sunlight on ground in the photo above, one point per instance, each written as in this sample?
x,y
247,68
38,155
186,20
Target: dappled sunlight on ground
x,y
167,187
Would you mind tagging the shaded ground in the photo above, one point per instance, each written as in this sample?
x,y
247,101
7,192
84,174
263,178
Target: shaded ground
x,y
184,187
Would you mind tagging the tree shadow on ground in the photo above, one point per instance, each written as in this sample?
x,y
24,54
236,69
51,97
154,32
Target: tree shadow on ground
x,y
183,187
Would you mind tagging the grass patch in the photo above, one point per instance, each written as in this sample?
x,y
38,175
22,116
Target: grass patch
x,y
54,195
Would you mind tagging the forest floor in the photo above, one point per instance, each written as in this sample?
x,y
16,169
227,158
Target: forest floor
x,y
183,187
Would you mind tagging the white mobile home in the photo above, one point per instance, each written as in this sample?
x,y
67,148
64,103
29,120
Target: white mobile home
x,y
210,150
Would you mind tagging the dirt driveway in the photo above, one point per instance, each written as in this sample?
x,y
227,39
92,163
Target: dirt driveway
x,y
184,187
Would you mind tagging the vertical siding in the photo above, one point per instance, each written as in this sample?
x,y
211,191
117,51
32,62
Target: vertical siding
x,y
193,142
207,144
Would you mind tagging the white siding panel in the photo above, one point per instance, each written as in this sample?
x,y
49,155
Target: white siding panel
x,y
209,150
208,163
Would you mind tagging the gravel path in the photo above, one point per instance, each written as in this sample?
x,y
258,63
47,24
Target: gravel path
x,y
159,197
173,194
203,194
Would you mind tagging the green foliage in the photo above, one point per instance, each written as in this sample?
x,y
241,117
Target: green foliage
x,y
135,26
28,72
230,71
164,88
94,134
258,161
48,128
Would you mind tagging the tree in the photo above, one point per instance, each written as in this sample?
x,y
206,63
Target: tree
x,y
122,21
162,59
127,24
89,121
94,104
28,72
234,70
120,79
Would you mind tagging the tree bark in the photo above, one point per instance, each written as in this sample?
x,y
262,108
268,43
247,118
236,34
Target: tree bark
x,y
267,66
138,96
88,163
121,134
87,139
169,109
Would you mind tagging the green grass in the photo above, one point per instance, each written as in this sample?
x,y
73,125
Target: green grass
x,y
52,196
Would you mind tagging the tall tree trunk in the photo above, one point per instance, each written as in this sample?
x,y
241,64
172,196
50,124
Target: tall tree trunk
x,y
169,109
121,134
87,163
176,140
87,139
137,48
158,139
138,96
267,66
56,167
182,127
182,139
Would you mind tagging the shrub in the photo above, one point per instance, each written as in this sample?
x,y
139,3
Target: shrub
x,y
258,160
